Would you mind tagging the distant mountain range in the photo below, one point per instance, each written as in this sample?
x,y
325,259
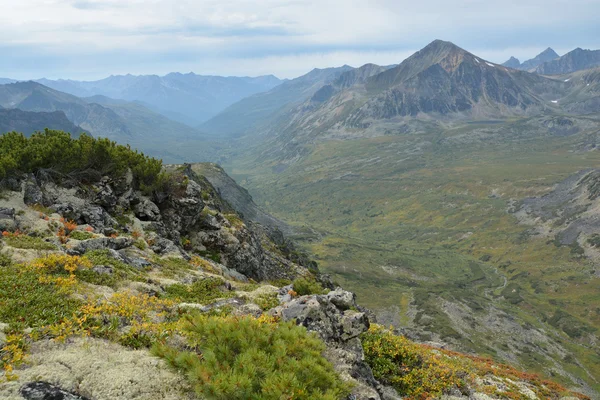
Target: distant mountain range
x,y
576,60
249,114
549,62
28,122
186,98
442,82
119,120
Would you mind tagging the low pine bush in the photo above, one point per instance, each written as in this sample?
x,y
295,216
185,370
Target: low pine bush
x,y
252,359
305,286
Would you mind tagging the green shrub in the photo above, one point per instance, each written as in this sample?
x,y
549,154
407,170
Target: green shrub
x,y
5,260
79,235
305,286
28,242
202,291
411,369
247,358
86,157
27,300
173,266
267,301
140,244
121,271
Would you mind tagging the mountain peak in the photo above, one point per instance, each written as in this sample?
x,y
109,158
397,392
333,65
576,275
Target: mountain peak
x,y
442,45
544,56
512,63
549,52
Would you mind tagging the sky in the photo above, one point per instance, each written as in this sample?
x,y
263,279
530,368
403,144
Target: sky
x,y
92,39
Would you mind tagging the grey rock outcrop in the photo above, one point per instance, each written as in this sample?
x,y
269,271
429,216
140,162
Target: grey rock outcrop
x,y
99,244
7,219
47,391
334,319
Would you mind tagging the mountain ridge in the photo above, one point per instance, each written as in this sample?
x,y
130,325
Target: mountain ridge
x,y
186,98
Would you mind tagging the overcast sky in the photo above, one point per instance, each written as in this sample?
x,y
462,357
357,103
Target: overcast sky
x,y
91,39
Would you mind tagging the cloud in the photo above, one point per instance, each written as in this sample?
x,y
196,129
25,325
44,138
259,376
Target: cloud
x,y
93,38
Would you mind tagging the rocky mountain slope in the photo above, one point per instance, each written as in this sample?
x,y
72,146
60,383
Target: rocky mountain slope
x,y
186,98
250,115
440,85
545,56
576,60
29,122
512,63
130,281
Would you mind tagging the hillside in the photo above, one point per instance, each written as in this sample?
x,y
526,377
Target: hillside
x,y
125,122
250,115
545,56
153,267
31,96
441,85
187,98
576,60
30,122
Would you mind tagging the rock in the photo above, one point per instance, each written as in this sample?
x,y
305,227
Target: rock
x,y
100,244
164,246
47,391
105,196
32,194
332,317
249,309
103,269
235,303
208,221
342,299
182,212
146,210
7,219
93,215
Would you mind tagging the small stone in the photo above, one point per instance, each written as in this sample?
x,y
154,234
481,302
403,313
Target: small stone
x,y
47,391
103,269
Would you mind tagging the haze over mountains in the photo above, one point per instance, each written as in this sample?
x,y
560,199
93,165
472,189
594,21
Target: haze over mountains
x,y
186,98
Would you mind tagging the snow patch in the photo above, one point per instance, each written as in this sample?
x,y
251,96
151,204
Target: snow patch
x,y
567,80
491,65
477,61
554,101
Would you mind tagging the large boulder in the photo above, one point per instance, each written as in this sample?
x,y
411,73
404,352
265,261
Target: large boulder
x,y
334,319
146,210
105,195
32,193
100,244
7,219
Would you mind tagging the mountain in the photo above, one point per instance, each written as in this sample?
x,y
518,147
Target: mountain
x,y
187,98
4,81
28,122
441,83
512,63
544,56
254,112
31,96
119,120
575,60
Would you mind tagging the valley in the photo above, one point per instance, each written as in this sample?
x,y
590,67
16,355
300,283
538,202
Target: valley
x,y
419,226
